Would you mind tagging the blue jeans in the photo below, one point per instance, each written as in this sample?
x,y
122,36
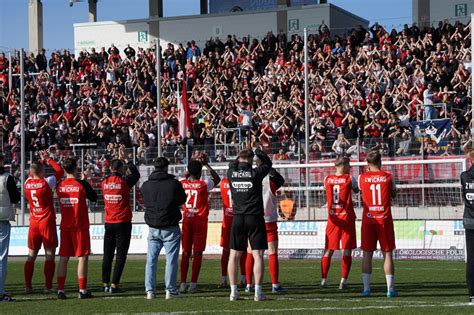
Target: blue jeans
x,y
170,239
4,244
429,113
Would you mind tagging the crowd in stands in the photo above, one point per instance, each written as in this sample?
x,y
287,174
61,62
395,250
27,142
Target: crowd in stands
x,y
365,88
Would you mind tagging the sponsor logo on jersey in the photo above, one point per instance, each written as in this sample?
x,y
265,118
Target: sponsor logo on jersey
x,y
241,174
113,198
194,185
375,179
242,185
68,201
34,185
336,180
68,189
113,186
469,185
470,196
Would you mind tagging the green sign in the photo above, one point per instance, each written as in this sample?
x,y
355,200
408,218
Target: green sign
x,y
460,9
293,25
142,37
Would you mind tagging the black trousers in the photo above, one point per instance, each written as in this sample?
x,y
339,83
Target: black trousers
x,y
470,261
117,237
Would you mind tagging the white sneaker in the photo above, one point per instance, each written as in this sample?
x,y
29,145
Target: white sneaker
x,y
192,289
324,284
259,298
173,295
182,287
150,295
234,297
248,288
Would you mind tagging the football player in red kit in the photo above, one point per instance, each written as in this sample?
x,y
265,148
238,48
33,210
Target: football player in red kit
x,y
75,238
196,212
227,217
340,229
42,230
377,188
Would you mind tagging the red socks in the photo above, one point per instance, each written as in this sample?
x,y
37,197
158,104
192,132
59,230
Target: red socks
x,y
184,267
82,283
61,281
274,268
28,271
49,266
325,264
249,268
243,260
346,266
224,261
196,269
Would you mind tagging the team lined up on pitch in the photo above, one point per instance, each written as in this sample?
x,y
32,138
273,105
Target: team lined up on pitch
x,y
249,224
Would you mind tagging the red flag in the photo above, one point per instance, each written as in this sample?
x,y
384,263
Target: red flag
x,y
183,111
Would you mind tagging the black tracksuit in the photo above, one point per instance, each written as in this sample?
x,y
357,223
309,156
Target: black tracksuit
x,y
467,182
246,187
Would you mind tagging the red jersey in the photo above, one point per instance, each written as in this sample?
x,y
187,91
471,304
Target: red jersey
x,y
376,189
339,197
72,202
116,200
197,197
39,193
226,199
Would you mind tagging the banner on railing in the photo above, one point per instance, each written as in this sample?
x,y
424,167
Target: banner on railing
x,y
415,240
436,130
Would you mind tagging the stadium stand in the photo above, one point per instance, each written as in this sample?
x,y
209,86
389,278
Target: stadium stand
x,y
365,89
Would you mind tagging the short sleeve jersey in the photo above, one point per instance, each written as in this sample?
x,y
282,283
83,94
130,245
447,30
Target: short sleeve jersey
x,y
339,198
73,206
376,189
197,197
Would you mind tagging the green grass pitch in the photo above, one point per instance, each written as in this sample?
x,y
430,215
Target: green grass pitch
x,y
424,287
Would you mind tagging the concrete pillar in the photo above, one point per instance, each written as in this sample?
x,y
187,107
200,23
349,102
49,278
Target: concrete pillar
x,y
421,12
35,25
203,6
282,16
155,8
92,10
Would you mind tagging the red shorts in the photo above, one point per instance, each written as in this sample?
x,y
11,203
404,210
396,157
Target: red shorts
x,y
194,234
382,232
75,243
272,232
43,232
225,232
341,236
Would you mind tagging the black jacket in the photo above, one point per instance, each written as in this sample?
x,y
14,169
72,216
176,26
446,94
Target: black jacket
x,y
162,195
467,188
246,185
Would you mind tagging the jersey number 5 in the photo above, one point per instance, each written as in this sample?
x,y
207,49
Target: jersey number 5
x,y
191,199
34,198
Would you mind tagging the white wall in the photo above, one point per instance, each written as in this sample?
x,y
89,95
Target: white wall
x,y
446,9
310,17
103,34
201,29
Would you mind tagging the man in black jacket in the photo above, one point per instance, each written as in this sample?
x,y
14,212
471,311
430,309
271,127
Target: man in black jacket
x,y
467,187
248,224
162,195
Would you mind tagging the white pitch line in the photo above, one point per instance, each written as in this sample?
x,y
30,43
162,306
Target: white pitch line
x,y
330,308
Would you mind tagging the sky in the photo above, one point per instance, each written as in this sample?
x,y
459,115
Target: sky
x,y
59,17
